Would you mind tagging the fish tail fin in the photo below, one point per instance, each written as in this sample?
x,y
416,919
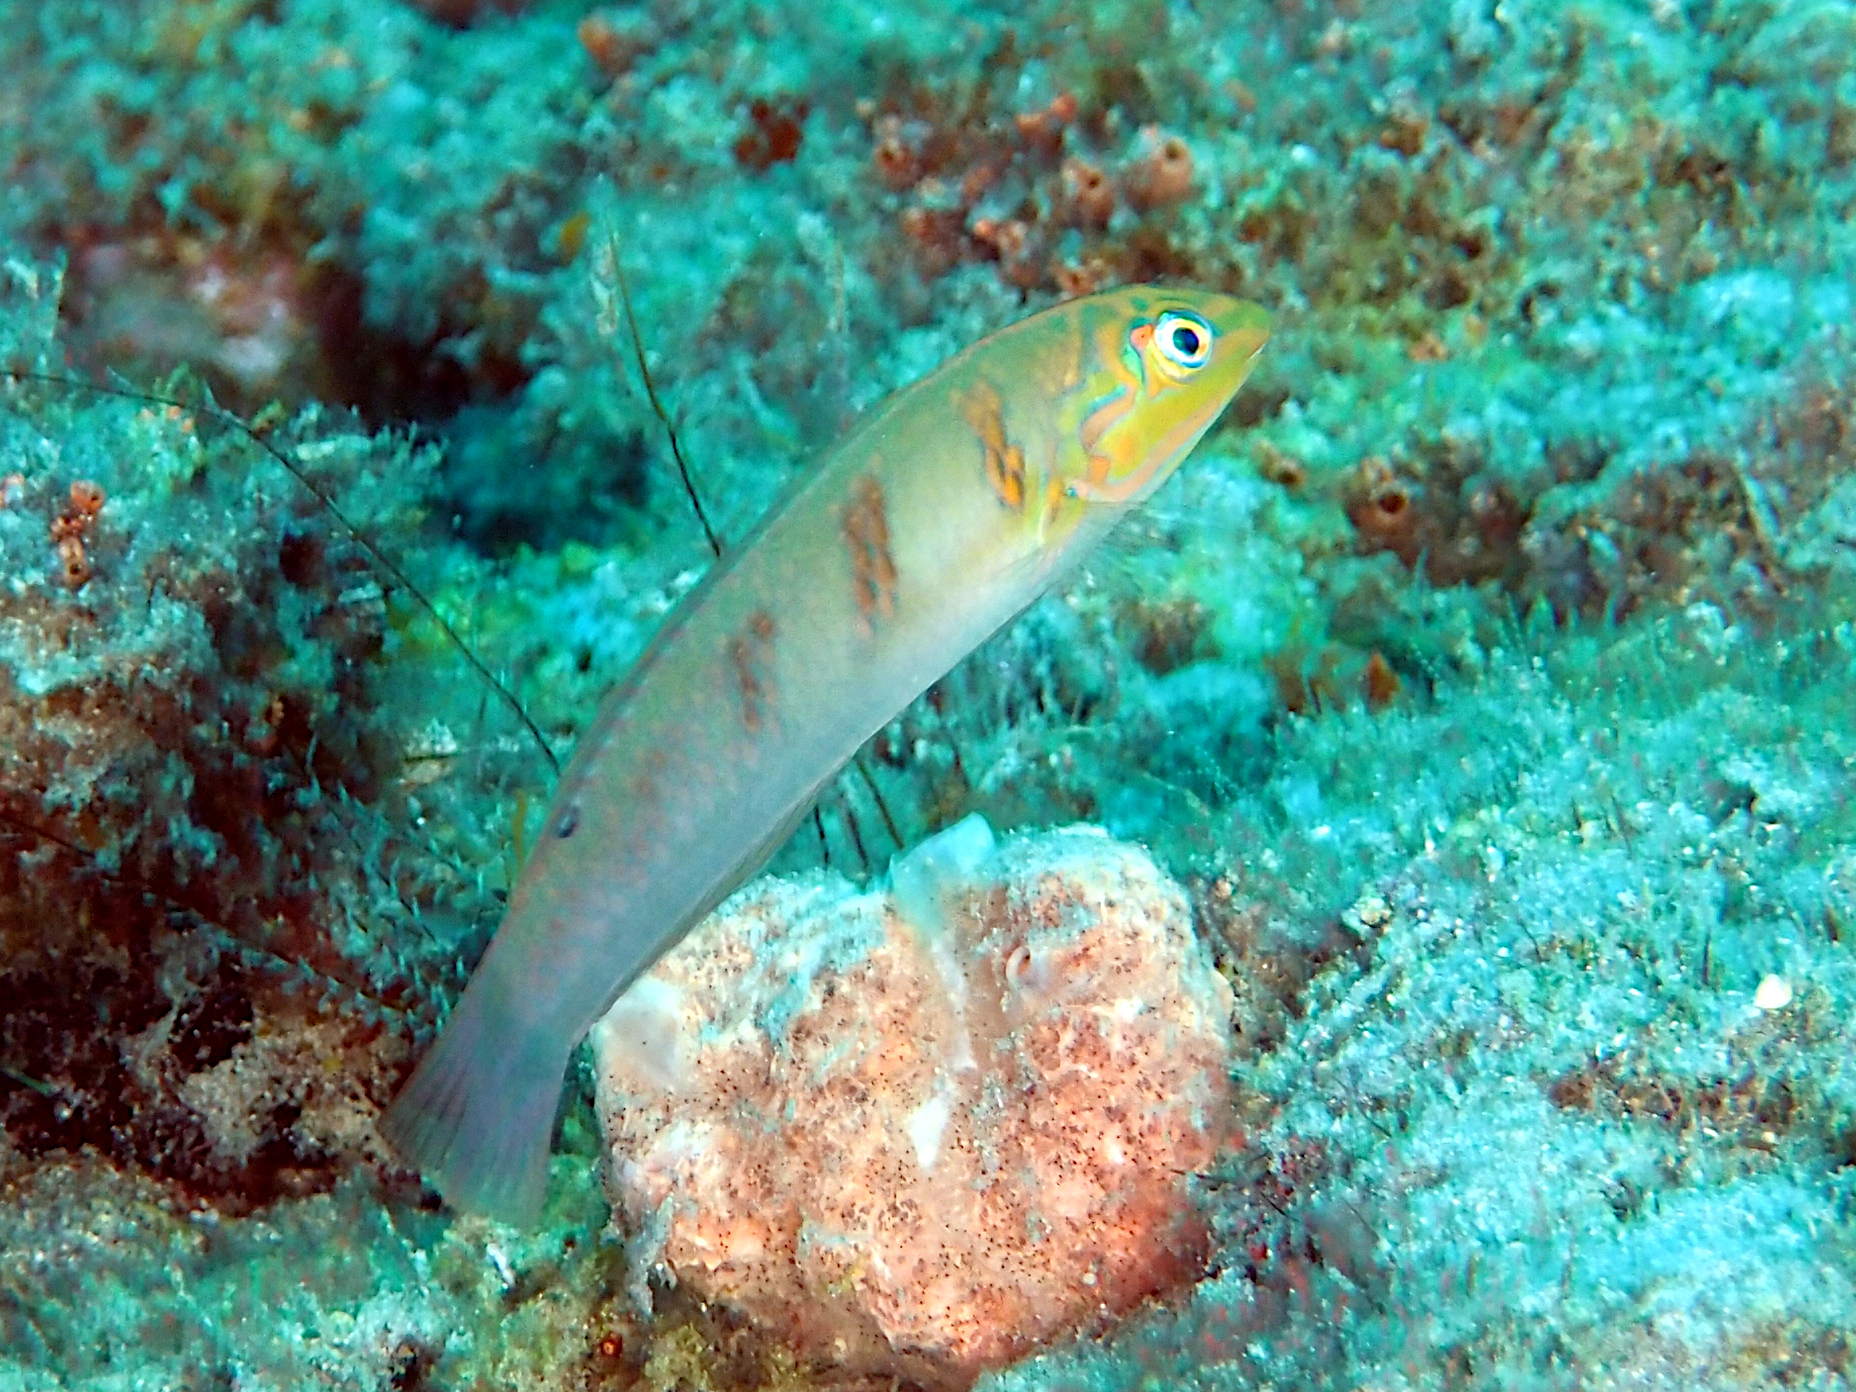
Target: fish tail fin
x,y
476,1116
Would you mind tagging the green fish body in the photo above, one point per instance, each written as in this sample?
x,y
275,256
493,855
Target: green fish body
x,y
942,514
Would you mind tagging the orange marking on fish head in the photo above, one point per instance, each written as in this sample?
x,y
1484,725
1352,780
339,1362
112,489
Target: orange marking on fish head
x,y
1162,374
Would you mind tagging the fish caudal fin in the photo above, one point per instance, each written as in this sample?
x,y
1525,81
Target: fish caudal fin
x,y
476,1116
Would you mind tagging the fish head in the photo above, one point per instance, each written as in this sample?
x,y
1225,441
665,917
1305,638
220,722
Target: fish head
x,y
1160,366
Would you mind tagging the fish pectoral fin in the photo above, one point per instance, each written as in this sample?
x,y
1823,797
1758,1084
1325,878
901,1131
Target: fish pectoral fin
x,y
1114,494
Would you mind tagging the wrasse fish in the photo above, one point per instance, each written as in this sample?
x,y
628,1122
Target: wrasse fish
x,y
944,512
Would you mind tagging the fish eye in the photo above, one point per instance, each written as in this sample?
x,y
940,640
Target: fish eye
x,y
1185,340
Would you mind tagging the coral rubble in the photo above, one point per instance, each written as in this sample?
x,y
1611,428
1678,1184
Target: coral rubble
x,y
923,1131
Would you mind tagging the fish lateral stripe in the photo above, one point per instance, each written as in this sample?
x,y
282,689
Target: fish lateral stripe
x,y
866,541
1004,462
750,653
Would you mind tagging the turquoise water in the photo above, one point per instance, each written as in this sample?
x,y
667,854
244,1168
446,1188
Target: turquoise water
x,y
1482,681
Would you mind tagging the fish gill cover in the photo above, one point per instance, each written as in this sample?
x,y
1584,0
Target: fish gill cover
x,y
1484,681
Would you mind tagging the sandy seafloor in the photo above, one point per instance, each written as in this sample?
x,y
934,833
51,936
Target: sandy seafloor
x,y
1485,677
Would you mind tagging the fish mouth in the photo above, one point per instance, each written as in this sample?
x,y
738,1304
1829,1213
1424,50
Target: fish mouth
x,y
1243,328
1243,331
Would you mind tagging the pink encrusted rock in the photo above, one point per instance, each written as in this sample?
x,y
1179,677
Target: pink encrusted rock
x,y
919,1131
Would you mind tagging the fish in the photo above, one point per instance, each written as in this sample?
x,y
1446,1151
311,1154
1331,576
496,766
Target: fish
x,y
939,516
